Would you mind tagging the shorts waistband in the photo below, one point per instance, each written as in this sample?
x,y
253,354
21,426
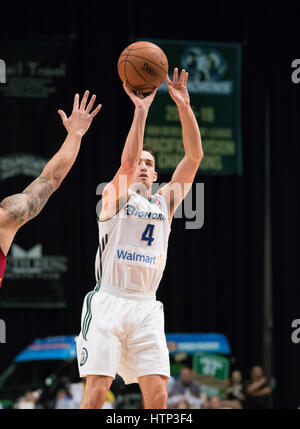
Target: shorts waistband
x,y
125,293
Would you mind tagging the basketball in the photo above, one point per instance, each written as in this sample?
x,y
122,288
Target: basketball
x,y
143,66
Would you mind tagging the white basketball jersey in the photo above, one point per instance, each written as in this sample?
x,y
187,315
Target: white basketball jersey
x,y
133,245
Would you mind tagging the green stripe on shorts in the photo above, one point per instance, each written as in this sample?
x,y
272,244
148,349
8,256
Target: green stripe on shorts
x,y
88,313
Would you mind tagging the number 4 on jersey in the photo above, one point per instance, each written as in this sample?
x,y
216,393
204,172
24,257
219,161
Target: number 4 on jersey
x,y
148,234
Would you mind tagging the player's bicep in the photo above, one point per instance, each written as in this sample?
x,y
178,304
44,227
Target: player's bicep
x,y
13,210
181,182
20,208
185,172
115,193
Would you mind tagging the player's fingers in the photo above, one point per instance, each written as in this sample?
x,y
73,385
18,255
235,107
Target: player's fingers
x,y
175,76
62,115
185,78
182,77
139,94
91,103
171,90
84,100
97,110
76,102
128,90
153,93
125,85
168,80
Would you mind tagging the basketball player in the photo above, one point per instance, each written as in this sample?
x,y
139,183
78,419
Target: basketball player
x,y
18,209
122,326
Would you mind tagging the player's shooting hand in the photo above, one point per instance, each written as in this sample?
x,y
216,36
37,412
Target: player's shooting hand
x,y
177,89
138,99
81,118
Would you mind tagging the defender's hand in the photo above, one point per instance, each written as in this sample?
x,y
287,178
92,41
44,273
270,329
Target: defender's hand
x,y
138,99
81,118
177,89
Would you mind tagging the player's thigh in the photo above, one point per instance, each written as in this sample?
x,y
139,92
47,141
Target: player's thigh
x,y
99,347
147,349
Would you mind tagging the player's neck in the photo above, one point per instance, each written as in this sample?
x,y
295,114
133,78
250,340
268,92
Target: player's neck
x,y
149,193
143,191
146,195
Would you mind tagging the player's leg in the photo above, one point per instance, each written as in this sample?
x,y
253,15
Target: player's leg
x,y
98,348
147,355
96,388
154,391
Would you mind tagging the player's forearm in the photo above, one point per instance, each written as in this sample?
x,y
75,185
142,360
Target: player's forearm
x,y
134,141
20,208
190,133
61,163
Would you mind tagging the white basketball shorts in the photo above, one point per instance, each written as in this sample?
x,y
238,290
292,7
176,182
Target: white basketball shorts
x,y
122,334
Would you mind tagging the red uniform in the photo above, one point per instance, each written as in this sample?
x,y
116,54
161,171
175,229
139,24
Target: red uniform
x,y
2,265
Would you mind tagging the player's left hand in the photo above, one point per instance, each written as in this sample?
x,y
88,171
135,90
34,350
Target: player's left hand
x,y
177,89
138,99
81,118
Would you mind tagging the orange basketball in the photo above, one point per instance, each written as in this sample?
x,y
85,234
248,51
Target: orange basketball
x,y
143,66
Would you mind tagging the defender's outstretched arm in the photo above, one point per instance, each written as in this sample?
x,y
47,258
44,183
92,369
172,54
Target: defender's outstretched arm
x,y
18,209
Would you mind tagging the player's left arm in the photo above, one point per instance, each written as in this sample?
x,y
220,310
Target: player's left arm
x,y
183,177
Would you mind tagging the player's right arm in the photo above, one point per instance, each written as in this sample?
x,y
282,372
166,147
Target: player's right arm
x,y
115,193
18,209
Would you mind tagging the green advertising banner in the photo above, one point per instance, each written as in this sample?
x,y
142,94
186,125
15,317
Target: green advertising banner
x,y
214,85
212,372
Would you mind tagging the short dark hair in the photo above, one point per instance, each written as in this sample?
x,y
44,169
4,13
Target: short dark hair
x,y
147,149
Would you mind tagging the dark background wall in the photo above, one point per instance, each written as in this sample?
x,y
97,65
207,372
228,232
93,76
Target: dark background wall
x,y
214,279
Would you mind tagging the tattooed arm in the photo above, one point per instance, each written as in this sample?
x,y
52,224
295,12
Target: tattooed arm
x,y
18,209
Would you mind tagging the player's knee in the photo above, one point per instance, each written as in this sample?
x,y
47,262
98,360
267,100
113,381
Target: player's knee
x,y
94,396
99,391
160,397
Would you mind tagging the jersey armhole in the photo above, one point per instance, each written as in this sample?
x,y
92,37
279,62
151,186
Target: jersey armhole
x,y
120,208
165,205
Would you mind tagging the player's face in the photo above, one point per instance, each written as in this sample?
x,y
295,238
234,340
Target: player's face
x,y
145,172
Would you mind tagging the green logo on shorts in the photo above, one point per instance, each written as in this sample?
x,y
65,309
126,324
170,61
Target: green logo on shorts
x,y
84,356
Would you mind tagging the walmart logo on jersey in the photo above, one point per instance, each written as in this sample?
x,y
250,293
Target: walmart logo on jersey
x,y
136,258
131,210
